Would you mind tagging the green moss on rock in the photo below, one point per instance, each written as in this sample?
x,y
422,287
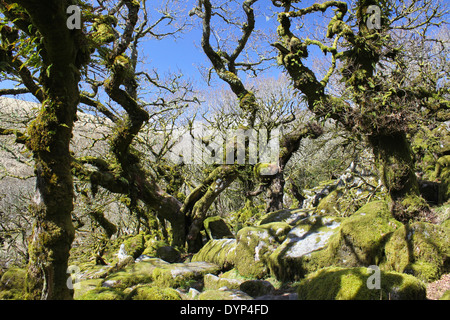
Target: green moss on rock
x,y
421,248
221,252
182,274
289,216
445,296
347,242
12,284
102,294
217,228
153,293
224,294
351,284
255,244
134,246
287,262
137,273
83,287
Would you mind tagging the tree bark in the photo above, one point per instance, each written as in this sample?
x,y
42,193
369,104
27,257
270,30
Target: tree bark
x,y
395,161
49,139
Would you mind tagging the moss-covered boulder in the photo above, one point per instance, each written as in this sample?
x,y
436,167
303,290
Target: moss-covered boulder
x,y
253,288
289,216
310,235
137,273
352,284
442,173
102,293
83,287
168,253
255,244
12,284
224,294
362,236
134,246
152,246
221,252
319,242
217,228
213,282
182,274
422,249
148,292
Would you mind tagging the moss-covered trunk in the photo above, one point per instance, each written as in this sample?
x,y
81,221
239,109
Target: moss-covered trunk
x,y
62,55
53,232
200,200
395,161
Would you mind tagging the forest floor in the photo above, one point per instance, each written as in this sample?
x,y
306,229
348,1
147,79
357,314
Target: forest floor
x,y
436,289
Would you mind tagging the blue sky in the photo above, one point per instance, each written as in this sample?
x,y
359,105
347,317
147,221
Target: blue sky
x,y
185,53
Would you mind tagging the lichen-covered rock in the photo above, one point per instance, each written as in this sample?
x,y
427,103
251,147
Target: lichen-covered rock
x,y
148,292
362,236
137,273
182,274
213,282
168,253
102,293
289,216
221,252
422,249
253,288
83,287
256,288
217,228
224,294
255,244
324,241
134,246
312,234
12,284
351,284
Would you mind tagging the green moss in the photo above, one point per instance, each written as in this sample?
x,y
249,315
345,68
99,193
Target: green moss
x,y
422,249
152,246
232,294
137,273
182,274
13,278
364,234
102,294
246,216
351,284
296,256
83,287
217,228
255,244
349,242
153,293
221,252
446,295
12,284
134,246
212,282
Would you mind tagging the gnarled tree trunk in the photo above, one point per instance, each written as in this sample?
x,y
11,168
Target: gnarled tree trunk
x,y
49,138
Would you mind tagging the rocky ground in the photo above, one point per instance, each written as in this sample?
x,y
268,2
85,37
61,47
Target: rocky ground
x,y
436,289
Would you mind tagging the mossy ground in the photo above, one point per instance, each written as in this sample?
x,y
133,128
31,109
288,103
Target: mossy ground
x,y
153,293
